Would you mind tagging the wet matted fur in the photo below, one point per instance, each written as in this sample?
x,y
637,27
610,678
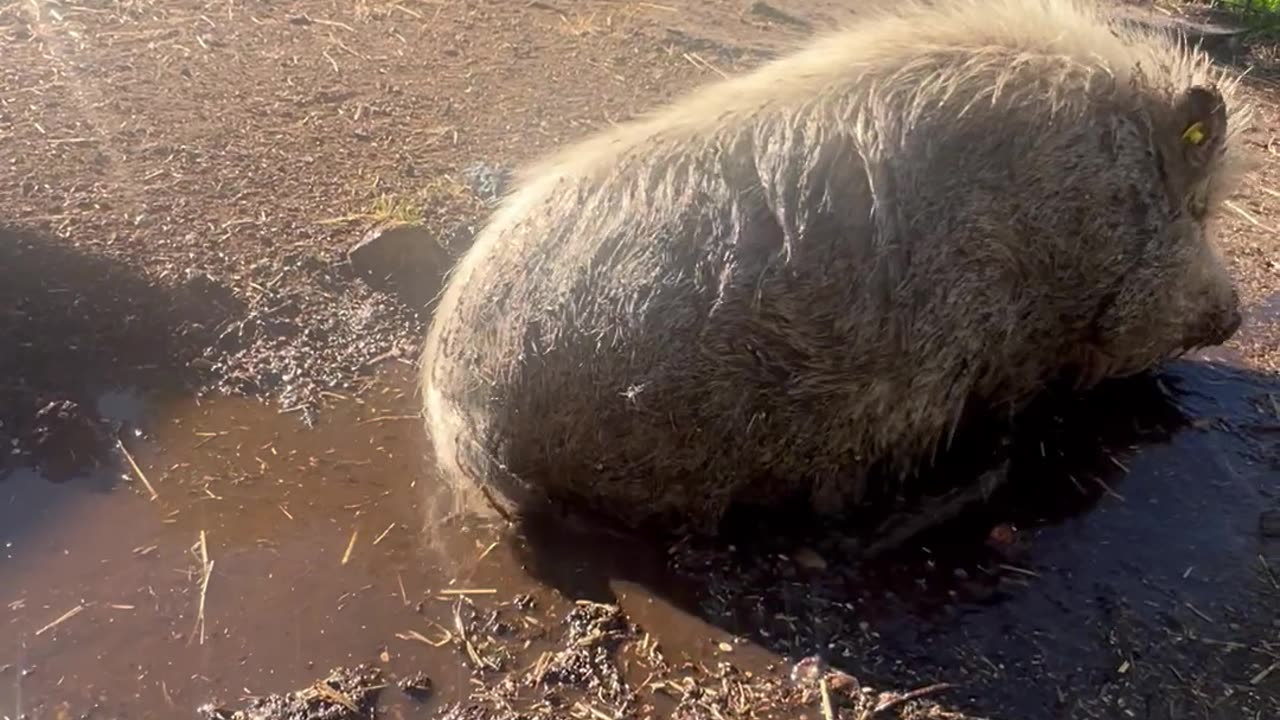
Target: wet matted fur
x,y
790,282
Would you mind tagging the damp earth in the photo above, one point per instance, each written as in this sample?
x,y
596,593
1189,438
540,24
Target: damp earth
x,y
224,225
1124,569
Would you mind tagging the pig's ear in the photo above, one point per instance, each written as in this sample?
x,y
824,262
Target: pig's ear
x,y
1201,116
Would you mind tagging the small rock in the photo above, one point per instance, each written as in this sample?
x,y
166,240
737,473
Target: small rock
x,y
844,683
809,558
725,647
359,686
1269,524
417,686
407,257
808,669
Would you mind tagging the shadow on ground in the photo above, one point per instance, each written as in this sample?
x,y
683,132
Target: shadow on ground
x,y
86,337
1122,572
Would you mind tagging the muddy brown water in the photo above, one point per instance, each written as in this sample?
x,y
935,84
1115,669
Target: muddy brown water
x,y
1138,584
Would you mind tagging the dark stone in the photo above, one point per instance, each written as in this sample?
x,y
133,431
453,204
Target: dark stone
x,y
406,260
769,12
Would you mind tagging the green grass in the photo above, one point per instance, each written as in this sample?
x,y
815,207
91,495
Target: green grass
x,y
1261,18
1264,10
382,210
390,208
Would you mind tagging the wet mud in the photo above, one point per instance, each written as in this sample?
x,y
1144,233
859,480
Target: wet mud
x,y
271,506
1122,572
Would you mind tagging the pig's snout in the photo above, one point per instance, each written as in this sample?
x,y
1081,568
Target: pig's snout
x,y
1218,327
1228,327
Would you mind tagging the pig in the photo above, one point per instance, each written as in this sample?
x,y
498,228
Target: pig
x,y
794,285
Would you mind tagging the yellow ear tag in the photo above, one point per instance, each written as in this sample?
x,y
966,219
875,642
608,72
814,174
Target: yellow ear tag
x,y
1194,134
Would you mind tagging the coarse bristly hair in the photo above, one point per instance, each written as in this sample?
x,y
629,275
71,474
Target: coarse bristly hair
x,y
790,282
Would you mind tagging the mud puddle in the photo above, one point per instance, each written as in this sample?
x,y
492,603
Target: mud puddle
x,y
1125,573
313,546
311,538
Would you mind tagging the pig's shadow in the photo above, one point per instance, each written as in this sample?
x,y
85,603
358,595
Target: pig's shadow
x,y
1106,488
84,335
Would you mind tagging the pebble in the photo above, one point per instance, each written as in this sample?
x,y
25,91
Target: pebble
x,y
809,558
808,669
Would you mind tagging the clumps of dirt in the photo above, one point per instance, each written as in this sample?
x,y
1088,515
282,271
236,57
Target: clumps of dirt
x,y
316,325
316,333
581,675
483,637
600,665
296,325
604,666
461,711
836,689
726,691
588,658
729,576
346,694
418,686
63,438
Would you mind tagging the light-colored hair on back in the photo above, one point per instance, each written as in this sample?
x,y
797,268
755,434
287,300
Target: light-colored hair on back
x,y
891,63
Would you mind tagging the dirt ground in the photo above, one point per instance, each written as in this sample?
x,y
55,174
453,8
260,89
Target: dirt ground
x,y
183,184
